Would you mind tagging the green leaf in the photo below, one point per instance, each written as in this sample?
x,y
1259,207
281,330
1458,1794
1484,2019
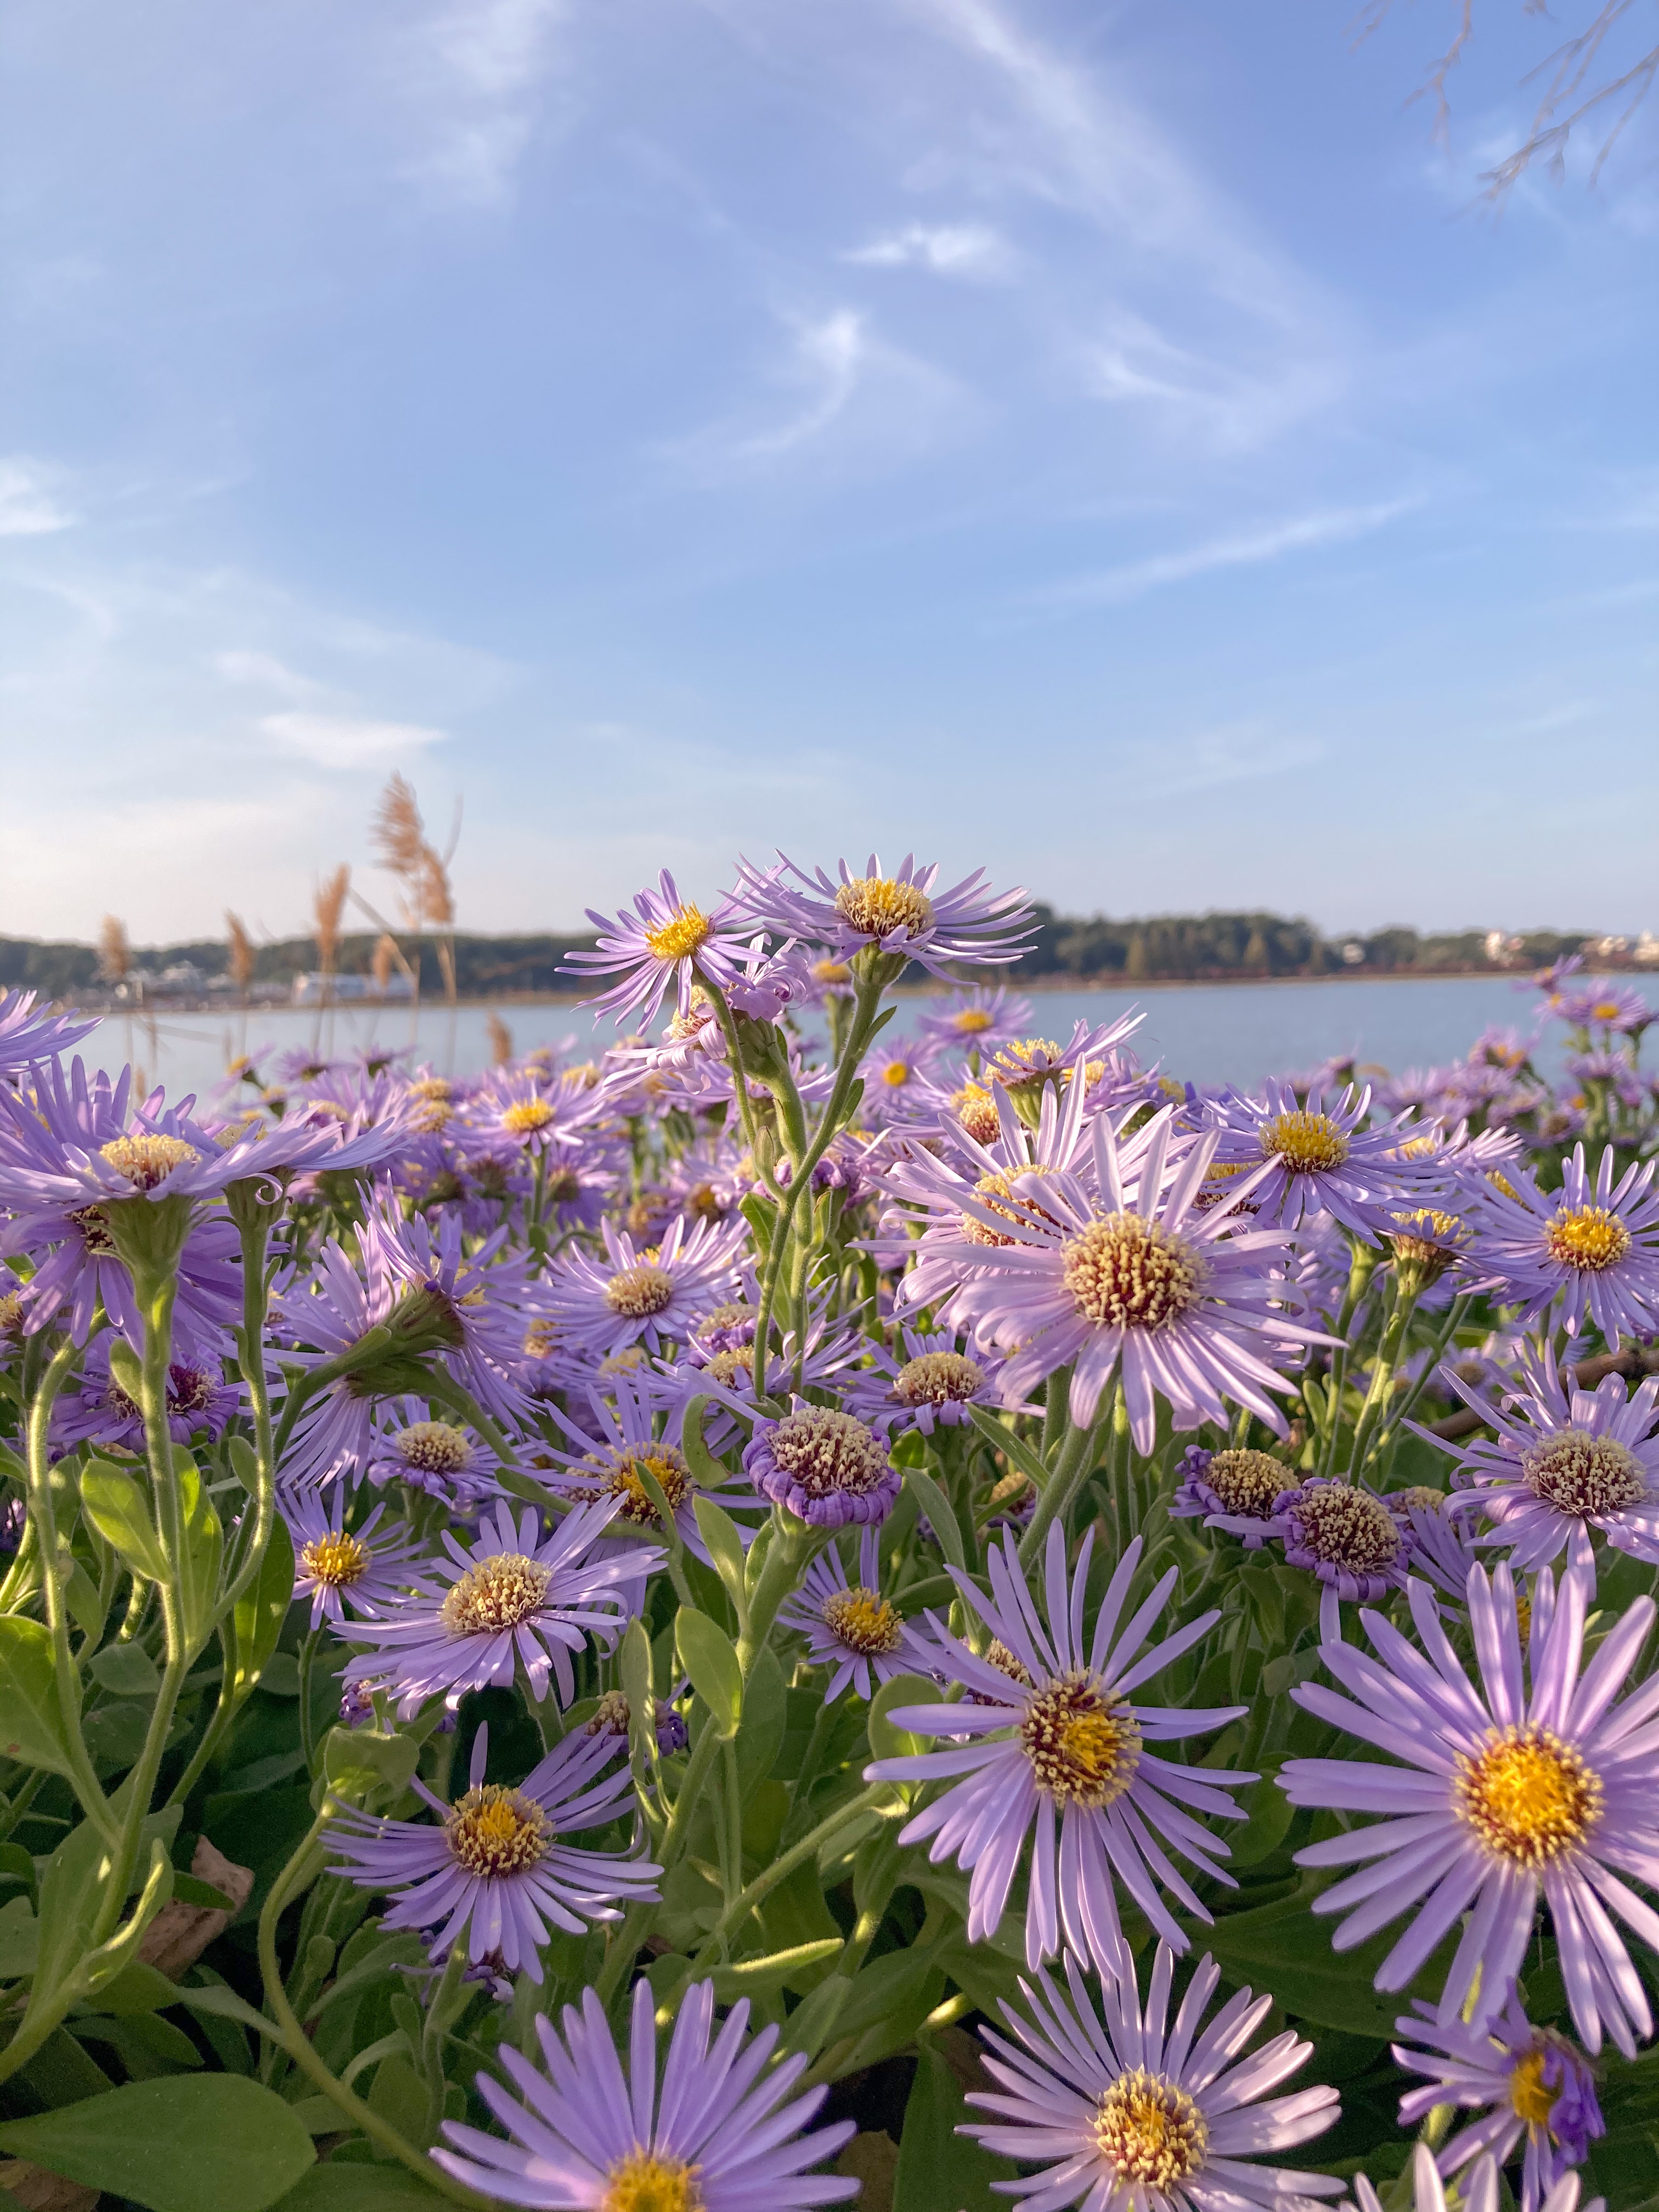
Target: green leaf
x,y
765,1711
197,1582
813,2022
400,2096
137,1988
147,2046
939,2170
1014,1448
72,1893
219,1999
31,1725
707,1471
708,1656
887,1742
245,1464
125,1670
937,1506
337,2188
1282,1948
640,1691
358,1761
719,1532
187,1889
80,1596
20,1939
256,1621
186,2144
119,1510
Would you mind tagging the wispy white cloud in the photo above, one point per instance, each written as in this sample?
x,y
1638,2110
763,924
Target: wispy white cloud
x,y
943,249
265,672
29,504
1227,404
1296,533
347,741
481,67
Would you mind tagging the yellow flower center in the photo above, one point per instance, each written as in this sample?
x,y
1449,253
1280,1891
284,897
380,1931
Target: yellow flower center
x,y
1247,1482
646,2181
1006,1661
637,1293
827,1452
434,1447
831,971
1530,1798
666,1469
1026,1063
970,1021
1150,2131
937,1378
1306,1144
726,1367
1530,2096
999,1186
1347,1527
976,1109
494,1831
539,1339
895,1074
682,934
526,1115
863,1621
1604,1010
146,1160
336,1560
1585,1474
1125,1271
876,906
1587,1238
11,1313
93,1222
495,1594
437,1087
1083,1748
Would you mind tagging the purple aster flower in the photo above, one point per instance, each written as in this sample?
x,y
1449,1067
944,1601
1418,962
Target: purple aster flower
x,y
15,1299
905,912
932,1386
511,1600
199,1400
664,939
642,1295
1611,1068
1235,1490
1515,1791
493,1869
470,1303
1565,1460
849,1627
826,1466
30,1032
1601,1003
1137,2111
974,1020
895,1077
440,1458
1537,2087
1595,1246
14,1519
609,1466
1478,2191
613,1718
1346,1534
1048,1740
590,2137
1320,1156
1026,1069
1170,1297
335,1566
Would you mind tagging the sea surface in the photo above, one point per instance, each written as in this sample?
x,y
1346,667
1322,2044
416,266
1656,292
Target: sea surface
x,y
1211,1033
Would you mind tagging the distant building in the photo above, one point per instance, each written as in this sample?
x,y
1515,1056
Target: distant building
x,y
1353,955
1500,949
1646,949
315,989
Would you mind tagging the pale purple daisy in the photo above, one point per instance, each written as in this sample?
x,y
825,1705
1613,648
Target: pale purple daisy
x,y
1055,1745
849,1627
335,1566
905,914
440,1458
1602,1003
199,1401
1232,1489
666,938
1537,2087
1148,1285
493,1869
635,1294
1320,1156
932,1386
1565,1460
1594,1245
608,1465
30,1032
1480,2191
511,1600
827,1467
589,2137
469,1303
1515,1791
1138,2111
1345,1534
974,1020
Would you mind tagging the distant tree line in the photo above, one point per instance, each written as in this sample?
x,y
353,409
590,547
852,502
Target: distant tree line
x,y
1161,948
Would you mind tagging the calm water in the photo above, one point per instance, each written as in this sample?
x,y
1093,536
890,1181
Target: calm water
x,y
1235,1032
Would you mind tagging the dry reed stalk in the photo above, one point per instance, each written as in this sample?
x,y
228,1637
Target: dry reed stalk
x,y
500,1042
114,952
326,909
239,961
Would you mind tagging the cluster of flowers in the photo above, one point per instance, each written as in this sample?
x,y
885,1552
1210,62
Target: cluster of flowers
x,y
972,1362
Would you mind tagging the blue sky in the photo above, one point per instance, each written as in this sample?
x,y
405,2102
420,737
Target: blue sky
x,y
1099,441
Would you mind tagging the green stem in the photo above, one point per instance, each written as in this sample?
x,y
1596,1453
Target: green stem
x,y
1381,1388
1065,1480
1362,1267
